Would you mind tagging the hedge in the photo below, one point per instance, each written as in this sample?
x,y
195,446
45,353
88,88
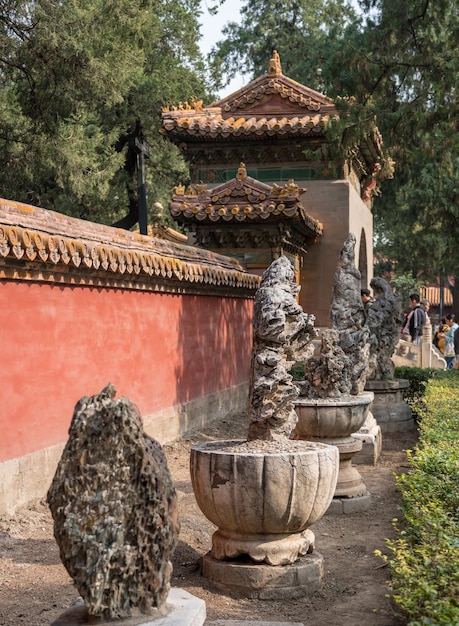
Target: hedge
x,y
424,557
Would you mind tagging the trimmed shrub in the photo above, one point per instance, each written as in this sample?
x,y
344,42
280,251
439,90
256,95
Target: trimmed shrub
x,y
414,394
424,557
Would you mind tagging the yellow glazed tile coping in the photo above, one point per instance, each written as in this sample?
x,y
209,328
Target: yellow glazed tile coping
x,y
41,245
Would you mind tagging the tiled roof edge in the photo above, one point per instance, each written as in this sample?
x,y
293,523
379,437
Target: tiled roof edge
x,y
41,245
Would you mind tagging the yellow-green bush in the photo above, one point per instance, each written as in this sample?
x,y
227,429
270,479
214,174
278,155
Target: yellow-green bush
x,y
414,395
424,557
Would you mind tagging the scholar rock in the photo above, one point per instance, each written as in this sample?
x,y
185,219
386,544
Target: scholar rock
x,y
348,316
328,374
281,337
384,320
343,364
114,509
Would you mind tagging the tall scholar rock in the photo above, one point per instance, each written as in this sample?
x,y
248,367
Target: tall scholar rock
x,y
115,509
282,336
389,407
332,405
343,362
263,493
348,317
384,320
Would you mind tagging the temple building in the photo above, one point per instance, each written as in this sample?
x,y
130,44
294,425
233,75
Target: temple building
x,y
248,219
263,182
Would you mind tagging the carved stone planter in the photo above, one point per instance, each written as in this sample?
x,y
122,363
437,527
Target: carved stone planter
x,y
371,438
263,503
389,406
332,421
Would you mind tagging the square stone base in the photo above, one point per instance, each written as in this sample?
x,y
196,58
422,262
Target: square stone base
x,y
371,437
181,609
348,506
371,447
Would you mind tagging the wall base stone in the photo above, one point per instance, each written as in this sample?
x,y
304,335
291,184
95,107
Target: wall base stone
x,y
28,477
172,423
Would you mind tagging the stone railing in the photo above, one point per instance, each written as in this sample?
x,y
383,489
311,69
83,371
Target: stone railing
x,y
425,355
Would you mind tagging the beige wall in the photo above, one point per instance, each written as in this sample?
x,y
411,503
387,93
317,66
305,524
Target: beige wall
x,y
338,206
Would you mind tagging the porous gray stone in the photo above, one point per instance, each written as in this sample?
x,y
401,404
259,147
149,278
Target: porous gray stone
x,y
347,315
114,508
384,319
282,336
343,363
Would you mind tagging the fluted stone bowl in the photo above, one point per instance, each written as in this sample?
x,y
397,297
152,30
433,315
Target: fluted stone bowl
x,y
257,497
331,418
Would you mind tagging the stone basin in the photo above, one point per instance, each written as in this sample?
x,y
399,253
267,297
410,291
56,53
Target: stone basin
x,y
333,421
263,502
331,418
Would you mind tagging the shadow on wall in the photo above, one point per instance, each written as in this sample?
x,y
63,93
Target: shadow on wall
x,y
363,261
215,341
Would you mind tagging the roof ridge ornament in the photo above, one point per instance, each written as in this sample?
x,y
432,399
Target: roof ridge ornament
x,y
289,189
275,65
242,172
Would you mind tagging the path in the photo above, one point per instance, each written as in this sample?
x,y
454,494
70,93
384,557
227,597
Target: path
x,y
35,589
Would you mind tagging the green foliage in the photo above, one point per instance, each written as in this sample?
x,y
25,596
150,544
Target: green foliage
x,y
297,372
414,394
423,557
394,62
404,285
409,46
75,76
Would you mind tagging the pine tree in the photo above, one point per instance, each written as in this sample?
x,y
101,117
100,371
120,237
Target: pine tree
x,y
74,77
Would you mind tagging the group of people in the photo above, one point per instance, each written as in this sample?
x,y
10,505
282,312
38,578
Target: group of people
x,y
446,337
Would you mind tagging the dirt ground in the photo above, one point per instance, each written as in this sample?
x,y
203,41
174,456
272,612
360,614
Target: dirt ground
x,y
35,588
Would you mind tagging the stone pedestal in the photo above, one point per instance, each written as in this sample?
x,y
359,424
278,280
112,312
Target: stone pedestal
x,y
389,408
332,421
371,437
265,582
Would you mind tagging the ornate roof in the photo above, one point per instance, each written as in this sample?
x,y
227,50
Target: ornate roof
x,y
244,200
273,104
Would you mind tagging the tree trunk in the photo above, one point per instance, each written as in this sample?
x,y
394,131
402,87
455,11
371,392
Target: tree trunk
x,y
455,292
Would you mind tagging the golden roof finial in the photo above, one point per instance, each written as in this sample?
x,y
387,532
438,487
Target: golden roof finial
x,y
200,187
275,64
242,172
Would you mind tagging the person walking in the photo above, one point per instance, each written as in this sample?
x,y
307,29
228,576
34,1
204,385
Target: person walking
x,y
426,306
450,354
416,320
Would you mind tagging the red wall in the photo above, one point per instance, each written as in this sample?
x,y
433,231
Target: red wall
x,y
59,343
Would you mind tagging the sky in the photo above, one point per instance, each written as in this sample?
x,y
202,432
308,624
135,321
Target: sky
x,y
211,31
